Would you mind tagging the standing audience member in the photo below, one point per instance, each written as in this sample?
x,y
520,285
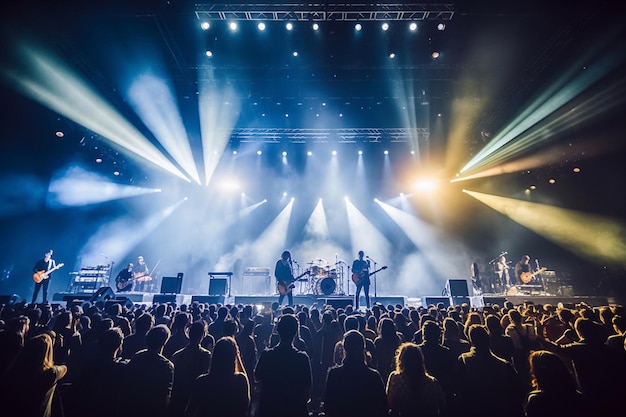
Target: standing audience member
x,y
149,379
411,390
481,370
189,362
599,369
555,391
353,388
284,375
136,341
30,385
439,361
101,373
225,390
386,344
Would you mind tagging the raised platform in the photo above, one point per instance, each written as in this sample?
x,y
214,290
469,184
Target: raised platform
x,y
342,301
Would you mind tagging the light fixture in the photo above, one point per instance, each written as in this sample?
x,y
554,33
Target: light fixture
x,y
261,26
358,27
413,27
232,26
289,26
209,53
205,25
385,26
441,26
284,153
259,152
435,54
316,26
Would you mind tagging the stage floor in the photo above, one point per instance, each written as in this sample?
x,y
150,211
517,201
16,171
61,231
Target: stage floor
x,y
341,300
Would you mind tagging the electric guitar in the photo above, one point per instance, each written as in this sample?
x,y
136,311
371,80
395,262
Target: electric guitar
x,y
285,287
43,274
526,277
358,277
124,285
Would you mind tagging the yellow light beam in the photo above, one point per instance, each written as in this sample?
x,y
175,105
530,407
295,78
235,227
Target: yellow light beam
x,y
594,237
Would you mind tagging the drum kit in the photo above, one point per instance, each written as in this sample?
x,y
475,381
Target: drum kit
x,y
324,278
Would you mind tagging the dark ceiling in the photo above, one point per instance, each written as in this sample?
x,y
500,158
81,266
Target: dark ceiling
x,y
500,54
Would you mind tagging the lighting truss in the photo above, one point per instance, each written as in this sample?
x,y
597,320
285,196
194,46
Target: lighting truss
x,y
343,135
325,12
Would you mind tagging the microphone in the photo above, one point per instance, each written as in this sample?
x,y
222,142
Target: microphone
x,y
367,257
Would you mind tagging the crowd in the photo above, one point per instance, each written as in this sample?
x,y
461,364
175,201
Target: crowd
x,y
110,359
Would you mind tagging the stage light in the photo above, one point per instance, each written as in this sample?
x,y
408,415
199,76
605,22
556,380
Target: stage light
x,y
286,114
386,152
360,152
289,26
295,53
234,152
316,26
340,114
232,26
259,152
358,27
441,26
435,54
533,187
261,26
385,26
309,153
412,152
209,53
116,173
576,170
98,160
413,27
552,181
59,134
334,153
284,153
205,25
392,55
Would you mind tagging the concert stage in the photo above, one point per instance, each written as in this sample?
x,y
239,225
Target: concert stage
x,y
337,301
265,300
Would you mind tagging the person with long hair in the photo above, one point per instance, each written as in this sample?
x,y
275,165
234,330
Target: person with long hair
x,y
30,385
554,386
225,390
410,389
386,344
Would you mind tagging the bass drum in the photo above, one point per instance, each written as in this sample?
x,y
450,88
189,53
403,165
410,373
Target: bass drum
x,y
325,286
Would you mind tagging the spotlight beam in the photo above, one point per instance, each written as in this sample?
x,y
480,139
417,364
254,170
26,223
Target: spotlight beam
x,y
595,237
555,98
47,80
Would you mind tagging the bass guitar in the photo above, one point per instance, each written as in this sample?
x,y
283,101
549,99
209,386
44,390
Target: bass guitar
x,y
285,287
526,277
358,277
43,274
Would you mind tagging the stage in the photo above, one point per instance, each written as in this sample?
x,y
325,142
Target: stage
x,y
337,301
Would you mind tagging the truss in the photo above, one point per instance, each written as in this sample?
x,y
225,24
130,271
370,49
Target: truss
x,y
325,12
344,135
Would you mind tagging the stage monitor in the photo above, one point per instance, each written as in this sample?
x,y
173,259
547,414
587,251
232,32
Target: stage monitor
x,y
172,285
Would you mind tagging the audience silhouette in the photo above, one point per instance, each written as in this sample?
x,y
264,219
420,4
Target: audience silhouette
x,y
165,360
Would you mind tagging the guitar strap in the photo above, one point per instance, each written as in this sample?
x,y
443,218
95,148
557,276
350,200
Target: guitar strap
x,y
49,264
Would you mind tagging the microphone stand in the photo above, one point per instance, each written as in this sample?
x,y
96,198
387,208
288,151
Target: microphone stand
x,y
375,280
110,268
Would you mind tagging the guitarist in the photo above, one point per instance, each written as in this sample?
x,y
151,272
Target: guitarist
x,y
284,277
523,267
124,279
361,277
43,265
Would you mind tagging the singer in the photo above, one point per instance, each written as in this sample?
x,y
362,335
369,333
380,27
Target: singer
x,y
361,277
